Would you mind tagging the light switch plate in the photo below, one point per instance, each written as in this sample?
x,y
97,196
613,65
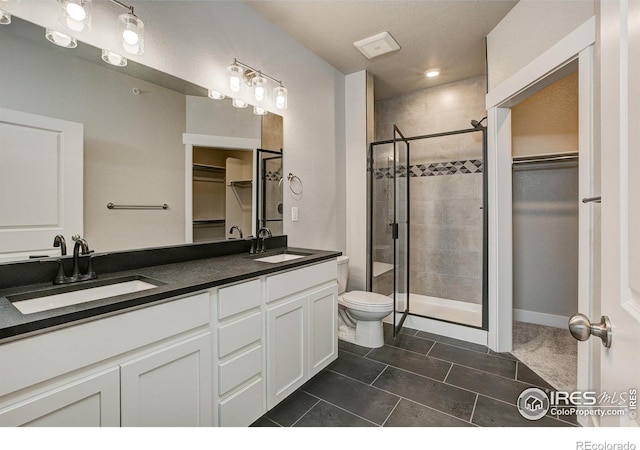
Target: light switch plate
x,y
294,213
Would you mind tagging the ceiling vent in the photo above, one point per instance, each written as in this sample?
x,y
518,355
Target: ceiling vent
x,y
377,45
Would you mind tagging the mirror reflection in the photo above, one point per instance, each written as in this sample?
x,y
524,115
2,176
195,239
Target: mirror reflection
x,y
143,135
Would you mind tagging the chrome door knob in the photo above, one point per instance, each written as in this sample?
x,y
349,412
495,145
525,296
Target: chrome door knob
x,y
581,328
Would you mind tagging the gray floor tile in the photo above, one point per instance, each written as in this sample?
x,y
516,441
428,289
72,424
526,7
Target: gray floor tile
x,y
452,341
445,398
357,367
413,362
485,383
326,415
352,348
469,358
494,413
264,422
526,375
411,414
292,408
411,343
503,355
388,330
354,396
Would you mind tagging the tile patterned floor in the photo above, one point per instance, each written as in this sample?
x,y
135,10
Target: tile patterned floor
x,y
417,379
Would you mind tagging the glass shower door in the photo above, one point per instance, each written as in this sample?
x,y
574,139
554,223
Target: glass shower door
x,y
269,209
400,229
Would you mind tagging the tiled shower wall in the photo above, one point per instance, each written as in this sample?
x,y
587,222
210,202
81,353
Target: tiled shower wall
x,y
445,176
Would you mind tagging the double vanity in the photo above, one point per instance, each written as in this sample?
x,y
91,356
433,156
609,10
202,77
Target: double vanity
x,y
193,335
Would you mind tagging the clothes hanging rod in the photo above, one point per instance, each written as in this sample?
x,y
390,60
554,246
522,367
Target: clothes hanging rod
x,y
112,206
545,158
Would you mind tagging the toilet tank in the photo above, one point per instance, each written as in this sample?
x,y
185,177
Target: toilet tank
x,y
343,273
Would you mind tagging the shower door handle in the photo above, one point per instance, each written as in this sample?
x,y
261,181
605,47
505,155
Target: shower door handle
x,y
394,230
582,329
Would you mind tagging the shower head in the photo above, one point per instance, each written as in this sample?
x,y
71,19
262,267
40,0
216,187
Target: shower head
x,y
478,123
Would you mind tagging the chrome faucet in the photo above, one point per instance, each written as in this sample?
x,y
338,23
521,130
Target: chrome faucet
x,y
263,247
235,227
80,248
59,241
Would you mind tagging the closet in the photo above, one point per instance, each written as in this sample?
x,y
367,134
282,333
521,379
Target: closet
x,y
222,192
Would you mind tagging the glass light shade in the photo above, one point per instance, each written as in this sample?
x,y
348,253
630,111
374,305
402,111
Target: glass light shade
x,y
75,14
5,18
215,95
60,39
114,58
236,102
258,111
131,31
259,91
280,94
235,77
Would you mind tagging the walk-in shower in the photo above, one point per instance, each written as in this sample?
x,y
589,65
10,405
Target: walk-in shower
x,y
428,225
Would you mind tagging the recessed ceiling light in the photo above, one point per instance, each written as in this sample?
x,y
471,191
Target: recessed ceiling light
x,y
377,45
432,73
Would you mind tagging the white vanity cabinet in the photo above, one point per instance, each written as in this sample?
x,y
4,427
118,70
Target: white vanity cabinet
x,y
301,334
148,367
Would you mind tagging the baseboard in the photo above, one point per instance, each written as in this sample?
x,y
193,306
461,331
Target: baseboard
x,y
550,320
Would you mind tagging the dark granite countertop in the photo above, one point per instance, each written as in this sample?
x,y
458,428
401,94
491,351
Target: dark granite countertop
x,y
176,279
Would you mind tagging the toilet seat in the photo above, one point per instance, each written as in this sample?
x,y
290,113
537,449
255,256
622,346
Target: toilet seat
x,y
367,301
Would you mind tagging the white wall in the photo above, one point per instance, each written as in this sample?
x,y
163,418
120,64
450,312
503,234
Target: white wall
x,y
197,40
528,30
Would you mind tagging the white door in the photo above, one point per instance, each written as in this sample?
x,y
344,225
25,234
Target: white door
x,y
620,147
41,183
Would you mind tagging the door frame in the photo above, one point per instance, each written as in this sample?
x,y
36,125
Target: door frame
x,y
555,63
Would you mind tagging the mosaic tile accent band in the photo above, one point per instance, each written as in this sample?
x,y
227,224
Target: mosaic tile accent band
x,y
432,170
273,176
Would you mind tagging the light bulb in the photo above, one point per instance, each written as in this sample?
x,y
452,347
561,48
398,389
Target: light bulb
x,y
76,11
235,77
258,87
132,33
280,93
432,73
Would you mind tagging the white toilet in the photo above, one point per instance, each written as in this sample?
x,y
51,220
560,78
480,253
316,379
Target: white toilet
x,y
360,313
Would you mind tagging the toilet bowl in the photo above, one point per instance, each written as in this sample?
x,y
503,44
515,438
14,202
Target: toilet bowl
x,y
360,313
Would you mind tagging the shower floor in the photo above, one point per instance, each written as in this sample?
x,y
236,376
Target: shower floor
x,y
444,309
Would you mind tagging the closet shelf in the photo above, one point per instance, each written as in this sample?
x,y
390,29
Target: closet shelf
x,y
241,183
208,221
208,167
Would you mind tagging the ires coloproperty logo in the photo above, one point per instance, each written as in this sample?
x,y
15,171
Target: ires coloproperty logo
x,y
534,403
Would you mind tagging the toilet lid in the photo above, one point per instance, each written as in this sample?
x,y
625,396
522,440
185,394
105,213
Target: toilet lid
x,y
365,299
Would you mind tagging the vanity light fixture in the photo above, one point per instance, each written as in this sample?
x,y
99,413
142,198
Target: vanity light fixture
x,y
257,80
130,30
215,95
61,39
113,58
75,14
5,18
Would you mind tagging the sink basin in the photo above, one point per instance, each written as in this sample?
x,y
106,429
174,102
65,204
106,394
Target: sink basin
x,y
281,257
74,295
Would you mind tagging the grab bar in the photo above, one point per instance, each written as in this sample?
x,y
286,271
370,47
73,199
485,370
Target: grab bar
x,y
112,206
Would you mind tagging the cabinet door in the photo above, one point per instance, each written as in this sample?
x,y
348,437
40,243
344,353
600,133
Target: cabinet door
x,y
323,328
169,387
93,401
287,363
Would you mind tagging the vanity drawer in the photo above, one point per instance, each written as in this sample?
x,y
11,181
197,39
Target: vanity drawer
x,y
235,335
239,369
238,298
244,407
287,283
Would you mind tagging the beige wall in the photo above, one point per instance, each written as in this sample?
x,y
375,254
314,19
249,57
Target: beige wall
x,y
547,122
528,30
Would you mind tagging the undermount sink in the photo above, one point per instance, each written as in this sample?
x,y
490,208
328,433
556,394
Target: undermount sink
x,y
73,295
281,257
